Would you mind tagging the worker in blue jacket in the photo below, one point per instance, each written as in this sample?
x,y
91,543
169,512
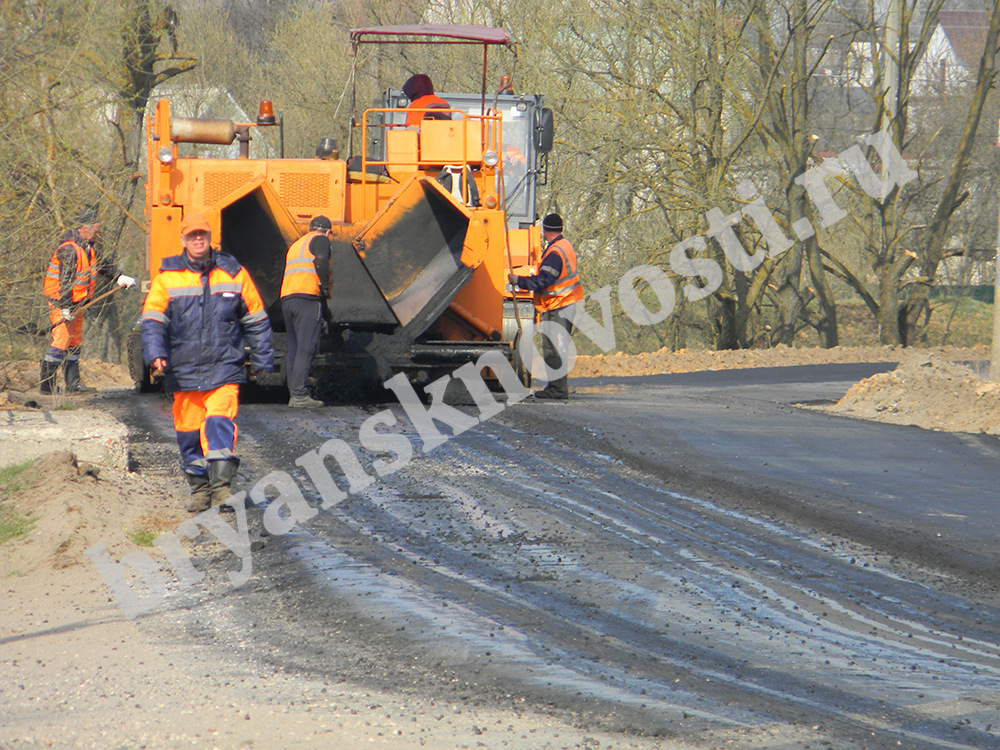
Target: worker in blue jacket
x,y
201,308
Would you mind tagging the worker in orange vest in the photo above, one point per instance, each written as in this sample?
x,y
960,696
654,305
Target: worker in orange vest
x,y
557,290
419,89
69,284
305,288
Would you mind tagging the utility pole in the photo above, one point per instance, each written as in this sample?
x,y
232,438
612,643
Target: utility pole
x,y
893,53
995,354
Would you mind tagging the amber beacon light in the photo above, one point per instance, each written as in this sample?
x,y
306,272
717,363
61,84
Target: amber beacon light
x,y
265,115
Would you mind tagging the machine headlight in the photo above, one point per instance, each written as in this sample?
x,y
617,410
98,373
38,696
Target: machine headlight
x,y
165,155
490,158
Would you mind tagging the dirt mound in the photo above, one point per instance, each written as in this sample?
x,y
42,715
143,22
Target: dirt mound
x,y
22,375
927,391
684,360
72,505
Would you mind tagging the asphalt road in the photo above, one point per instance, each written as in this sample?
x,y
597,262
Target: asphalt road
x,y
926,494
692,556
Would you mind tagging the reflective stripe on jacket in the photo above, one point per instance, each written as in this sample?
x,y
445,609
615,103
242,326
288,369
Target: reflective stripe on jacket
x,y
566,289
59,286
300,268
199,320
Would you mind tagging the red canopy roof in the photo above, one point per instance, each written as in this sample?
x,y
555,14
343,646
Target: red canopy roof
x,y
431,34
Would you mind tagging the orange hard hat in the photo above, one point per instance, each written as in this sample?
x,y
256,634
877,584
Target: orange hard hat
x,y
195,223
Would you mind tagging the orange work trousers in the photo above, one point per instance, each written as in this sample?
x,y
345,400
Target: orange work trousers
x,y
66,336
205,423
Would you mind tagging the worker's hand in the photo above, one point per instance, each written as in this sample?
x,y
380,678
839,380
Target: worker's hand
x,y
67,314
158,366
125,282
512,278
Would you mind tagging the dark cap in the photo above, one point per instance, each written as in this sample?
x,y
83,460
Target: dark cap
x,y
321,223
87,216
417,86
552,223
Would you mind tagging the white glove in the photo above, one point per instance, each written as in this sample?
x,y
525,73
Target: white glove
x,y
67,314
126,282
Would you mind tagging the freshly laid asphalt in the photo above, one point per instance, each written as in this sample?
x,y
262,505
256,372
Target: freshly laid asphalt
x,y
933,495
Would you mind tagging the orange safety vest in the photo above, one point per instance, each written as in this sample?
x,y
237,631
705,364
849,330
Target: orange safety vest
x,y
428,101
83,282
300,268
566,289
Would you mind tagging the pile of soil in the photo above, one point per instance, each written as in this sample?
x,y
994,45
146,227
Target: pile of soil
x,y
927,391
75,505
22,375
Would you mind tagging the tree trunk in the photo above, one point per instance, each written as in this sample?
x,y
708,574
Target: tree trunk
x,y
826,316
723,318
787,298
888,313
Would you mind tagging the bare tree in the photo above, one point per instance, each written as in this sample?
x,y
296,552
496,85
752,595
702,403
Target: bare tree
x,y
64,63
955,191
40,190
659,119
149,56
789,54
908,231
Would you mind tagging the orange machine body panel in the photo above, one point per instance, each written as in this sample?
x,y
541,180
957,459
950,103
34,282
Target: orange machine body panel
x,y
425,215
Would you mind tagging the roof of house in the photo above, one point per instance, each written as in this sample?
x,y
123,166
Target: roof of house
x,y
966,30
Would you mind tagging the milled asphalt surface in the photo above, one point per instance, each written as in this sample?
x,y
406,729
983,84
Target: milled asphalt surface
x,y
688,556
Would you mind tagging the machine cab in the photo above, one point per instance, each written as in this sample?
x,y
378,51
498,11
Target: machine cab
x,y
525,142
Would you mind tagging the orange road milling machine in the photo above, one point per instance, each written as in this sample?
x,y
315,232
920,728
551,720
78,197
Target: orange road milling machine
x,y
427,220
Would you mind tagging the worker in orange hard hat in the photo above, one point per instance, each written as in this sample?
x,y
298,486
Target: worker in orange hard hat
x,y
557,289
69,284
419,89
201,309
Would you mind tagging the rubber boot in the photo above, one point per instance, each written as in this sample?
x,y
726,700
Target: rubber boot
x,y
71,370
201,498
47,376
220,479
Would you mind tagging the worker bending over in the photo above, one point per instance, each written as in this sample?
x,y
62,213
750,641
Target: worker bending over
x,y
305,287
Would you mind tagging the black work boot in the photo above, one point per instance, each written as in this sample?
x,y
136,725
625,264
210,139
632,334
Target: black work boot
x,y
201,498
47,376
72,372
556,390
220,479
